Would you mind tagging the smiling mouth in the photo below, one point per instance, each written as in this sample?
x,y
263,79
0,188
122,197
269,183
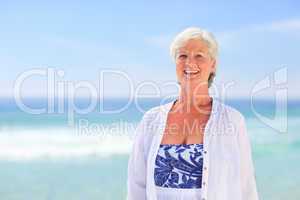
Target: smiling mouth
x,y
191,72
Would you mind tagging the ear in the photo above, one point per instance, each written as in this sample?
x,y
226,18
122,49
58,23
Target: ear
x,y
213,65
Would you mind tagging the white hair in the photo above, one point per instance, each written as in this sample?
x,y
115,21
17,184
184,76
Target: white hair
x,y
195,33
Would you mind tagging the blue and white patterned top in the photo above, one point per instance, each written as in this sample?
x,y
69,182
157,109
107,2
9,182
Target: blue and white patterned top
x,y
179,166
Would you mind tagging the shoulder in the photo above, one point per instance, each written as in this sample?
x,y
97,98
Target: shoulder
x,y
230,112
234,119
156,112
152,113
231,119
151,123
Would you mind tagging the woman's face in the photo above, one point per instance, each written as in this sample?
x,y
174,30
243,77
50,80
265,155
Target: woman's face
x,y
194,64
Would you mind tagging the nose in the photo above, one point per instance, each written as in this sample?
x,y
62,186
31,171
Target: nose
x,y
190,60
191,64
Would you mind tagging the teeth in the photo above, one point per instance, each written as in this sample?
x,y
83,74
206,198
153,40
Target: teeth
x,y
191,71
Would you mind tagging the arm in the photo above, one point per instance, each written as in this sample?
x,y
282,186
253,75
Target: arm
x,y
248,182
136,182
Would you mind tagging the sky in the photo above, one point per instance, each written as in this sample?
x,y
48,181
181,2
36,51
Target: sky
x,y
79,39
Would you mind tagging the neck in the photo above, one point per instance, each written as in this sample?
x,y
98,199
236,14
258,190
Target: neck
x,y
195,100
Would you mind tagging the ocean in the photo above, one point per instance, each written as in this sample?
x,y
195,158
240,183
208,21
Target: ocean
x,y
58,155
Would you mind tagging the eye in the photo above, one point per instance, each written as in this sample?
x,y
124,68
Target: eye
x,y
199,55
182,56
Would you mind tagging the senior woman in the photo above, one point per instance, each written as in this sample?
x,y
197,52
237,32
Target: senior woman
x,y
194,147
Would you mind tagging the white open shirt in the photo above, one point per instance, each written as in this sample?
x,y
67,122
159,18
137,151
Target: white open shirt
x,y
228,172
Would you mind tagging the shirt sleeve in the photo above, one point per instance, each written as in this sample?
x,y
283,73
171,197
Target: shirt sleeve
x,y
136,182
248,182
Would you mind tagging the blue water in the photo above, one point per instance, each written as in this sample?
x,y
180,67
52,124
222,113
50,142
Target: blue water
x,y
42,157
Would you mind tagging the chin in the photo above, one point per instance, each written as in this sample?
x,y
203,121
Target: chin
x,y
194,81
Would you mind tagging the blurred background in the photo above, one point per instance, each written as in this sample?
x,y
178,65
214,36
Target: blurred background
x,y
77,77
